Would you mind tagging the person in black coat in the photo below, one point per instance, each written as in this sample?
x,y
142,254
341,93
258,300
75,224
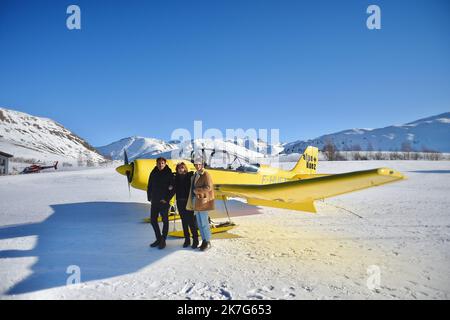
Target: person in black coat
x,y
159,193
181,187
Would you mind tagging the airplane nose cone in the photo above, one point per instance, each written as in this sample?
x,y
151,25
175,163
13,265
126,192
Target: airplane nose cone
x,y
124,168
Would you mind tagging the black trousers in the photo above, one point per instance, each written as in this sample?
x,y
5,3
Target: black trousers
x,y
163,210
187,220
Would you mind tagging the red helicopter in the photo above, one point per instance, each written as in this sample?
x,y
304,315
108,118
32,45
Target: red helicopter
x,y
35,168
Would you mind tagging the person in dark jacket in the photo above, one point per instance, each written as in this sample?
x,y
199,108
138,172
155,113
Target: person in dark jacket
x,y
181,187
159,193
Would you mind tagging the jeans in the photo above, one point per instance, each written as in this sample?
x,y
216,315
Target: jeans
x,y
163,209
203,224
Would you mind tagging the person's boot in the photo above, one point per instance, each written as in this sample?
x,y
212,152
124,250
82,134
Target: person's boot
x,y
205,245
155,244
195,243
187,243
162,243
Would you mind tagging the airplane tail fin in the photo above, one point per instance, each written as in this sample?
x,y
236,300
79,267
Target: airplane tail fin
x,y
307,164
56,165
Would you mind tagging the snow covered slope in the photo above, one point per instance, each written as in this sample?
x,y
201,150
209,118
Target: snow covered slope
x,y
29,137
141,147
237,148
429,134
136,147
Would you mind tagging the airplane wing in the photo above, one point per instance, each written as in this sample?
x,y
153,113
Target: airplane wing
x,y
301,194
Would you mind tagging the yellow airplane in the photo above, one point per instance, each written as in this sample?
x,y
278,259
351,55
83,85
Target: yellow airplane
x,y
262,185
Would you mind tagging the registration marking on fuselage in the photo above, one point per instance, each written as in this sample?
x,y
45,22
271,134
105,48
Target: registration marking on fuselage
x,y
272,179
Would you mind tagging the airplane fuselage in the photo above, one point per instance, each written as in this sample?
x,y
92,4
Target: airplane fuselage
x,y
141,168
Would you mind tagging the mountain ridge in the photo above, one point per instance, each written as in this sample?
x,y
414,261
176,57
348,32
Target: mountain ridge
x,y
425,134
40,138
28,136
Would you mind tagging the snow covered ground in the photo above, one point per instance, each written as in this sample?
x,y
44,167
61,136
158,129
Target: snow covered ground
x,y
54,220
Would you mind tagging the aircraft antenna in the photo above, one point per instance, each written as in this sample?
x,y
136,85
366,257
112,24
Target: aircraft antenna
x,y
342,208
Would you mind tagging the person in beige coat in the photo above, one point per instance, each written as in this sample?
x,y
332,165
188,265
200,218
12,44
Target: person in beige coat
x,y
201,200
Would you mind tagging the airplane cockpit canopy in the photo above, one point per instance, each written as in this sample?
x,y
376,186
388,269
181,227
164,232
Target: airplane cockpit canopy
x,y
248,167
223,160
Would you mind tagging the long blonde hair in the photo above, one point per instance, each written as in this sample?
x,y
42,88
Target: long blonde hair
x,y
181,164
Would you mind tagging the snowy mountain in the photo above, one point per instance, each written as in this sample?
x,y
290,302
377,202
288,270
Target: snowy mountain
x,y
141,147
137,147
259,145
428,134
41,139
224,151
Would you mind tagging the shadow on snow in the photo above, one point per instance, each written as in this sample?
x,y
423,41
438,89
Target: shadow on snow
x,y
431,171
104,239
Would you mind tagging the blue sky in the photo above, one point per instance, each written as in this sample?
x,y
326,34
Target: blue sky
x,y
149,67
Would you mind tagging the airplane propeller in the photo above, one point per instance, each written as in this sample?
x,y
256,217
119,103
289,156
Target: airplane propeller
x,y
128,172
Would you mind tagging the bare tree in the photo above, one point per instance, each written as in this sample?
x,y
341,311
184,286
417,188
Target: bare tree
x,y
378,155
359,156
330,151
406,149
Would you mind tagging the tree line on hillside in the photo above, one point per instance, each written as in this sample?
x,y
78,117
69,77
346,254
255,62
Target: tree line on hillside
x,y
355,152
